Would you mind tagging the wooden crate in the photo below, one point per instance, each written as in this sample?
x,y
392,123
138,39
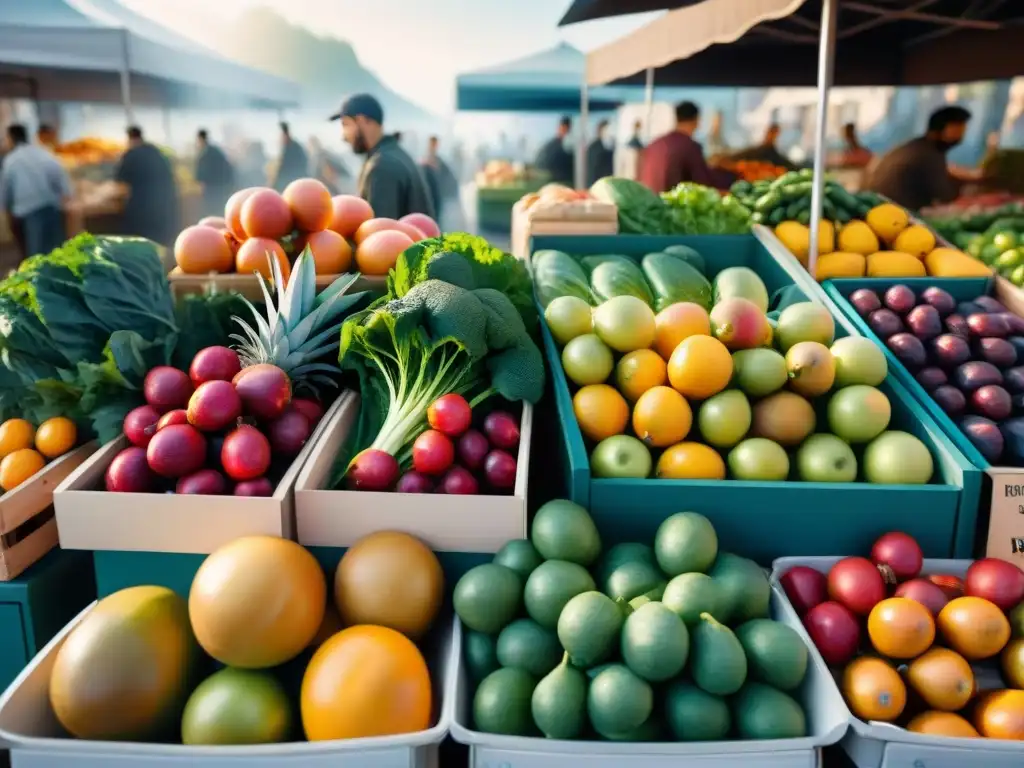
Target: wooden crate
x,y
28,528
249,286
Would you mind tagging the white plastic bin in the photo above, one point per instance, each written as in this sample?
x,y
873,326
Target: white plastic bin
x,y
881,745
824,706
36,740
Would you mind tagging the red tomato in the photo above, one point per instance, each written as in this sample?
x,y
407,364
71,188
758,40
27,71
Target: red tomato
x,y
450,414
432,453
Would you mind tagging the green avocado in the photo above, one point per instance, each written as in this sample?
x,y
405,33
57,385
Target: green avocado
x,y
559,703
519,556
618,702
553,584
685,542
717,661
488,597
480,652
745,586
694,714
691,594
563,530
502,703
588,628
655,643
762,712
775,653
526,645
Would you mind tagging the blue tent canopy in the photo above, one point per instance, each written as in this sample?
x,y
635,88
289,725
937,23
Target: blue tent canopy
x,y
549,81
78,50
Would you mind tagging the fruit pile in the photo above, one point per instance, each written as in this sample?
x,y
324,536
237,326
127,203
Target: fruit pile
x,y
260,224
695,387
215,430
884,244
449,457
914,648
25,449
1001,246
647,646
968,356
263,651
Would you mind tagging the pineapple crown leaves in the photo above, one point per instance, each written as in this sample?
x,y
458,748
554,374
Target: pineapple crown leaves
x,y
302,327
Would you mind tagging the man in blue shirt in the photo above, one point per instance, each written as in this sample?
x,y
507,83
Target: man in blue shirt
x,y
34,190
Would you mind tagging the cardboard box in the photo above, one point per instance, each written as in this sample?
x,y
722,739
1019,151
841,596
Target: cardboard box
x,y
249,286
27,508
91,518
329,518
591,218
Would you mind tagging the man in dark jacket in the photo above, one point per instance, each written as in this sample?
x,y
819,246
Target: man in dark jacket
x,y
599,155
215,172
554,158
152,207
293,165
390,181
444,187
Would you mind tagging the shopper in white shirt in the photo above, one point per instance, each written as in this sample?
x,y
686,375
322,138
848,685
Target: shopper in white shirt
x,y
34,191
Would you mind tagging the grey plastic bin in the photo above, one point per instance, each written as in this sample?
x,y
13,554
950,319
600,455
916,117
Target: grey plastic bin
x,y
36,740
881,745
823,704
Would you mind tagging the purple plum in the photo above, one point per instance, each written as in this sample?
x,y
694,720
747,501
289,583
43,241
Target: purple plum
x,y
908,349
900,299
975,375
988,304
865,301
999,352
985,436
988,326
924,322
931,378
957,325
951,400
940,299
885,323
949,351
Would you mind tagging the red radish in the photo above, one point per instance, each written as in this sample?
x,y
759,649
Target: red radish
x,y
805,588
450,414
177,416
927,593
289,432
165,388
140,425
472,449
265,390
432,453
500,470
414,482
458,481
129,472
214,364
246,453
952,586
372,470
900,553
502,430
995,580
835,632
856,583
215,405
176,451
311,409
206,482
258,487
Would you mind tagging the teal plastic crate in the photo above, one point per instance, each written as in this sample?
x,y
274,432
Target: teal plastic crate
x,y
765,520
961,289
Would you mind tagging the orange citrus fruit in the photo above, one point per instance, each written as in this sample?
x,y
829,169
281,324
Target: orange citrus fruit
x,y
601,411
943,678
677,322
56,436
1000,715
873,690
19,466
700,367
690,461
901,628
15,434
974,627
662,417
942,724
639,371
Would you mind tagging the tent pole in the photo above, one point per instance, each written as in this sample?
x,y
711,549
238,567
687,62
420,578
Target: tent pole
x,y
126,79
581,148
826,57
649,101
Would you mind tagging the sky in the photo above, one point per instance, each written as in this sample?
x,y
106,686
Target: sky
x,y
416,46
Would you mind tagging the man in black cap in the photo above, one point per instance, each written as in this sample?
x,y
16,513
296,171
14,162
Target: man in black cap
x,y
390,180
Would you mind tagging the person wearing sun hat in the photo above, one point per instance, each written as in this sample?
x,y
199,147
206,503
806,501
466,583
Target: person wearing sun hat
x,y
390,181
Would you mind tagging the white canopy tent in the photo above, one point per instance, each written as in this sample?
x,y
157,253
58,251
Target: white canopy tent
x,y
701,24
99,51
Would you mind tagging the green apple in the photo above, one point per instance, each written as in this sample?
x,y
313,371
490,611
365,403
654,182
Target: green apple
x,y
620,456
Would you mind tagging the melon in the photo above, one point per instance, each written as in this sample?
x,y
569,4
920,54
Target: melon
x,y
125,671
257,602
390,579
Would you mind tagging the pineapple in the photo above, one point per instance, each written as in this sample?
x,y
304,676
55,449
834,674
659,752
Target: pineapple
x,y
301,329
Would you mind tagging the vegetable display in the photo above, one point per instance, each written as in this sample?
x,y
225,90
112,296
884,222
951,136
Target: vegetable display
x,y
684,393
457,319
668,641
788,198
935,653
969,356
1001,247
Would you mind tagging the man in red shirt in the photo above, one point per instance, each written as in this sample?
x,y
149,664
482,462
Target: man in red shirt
x,y
676,157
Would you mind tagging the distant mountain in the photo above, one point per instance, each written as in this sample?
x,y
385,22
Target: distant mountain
x,y
327,68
